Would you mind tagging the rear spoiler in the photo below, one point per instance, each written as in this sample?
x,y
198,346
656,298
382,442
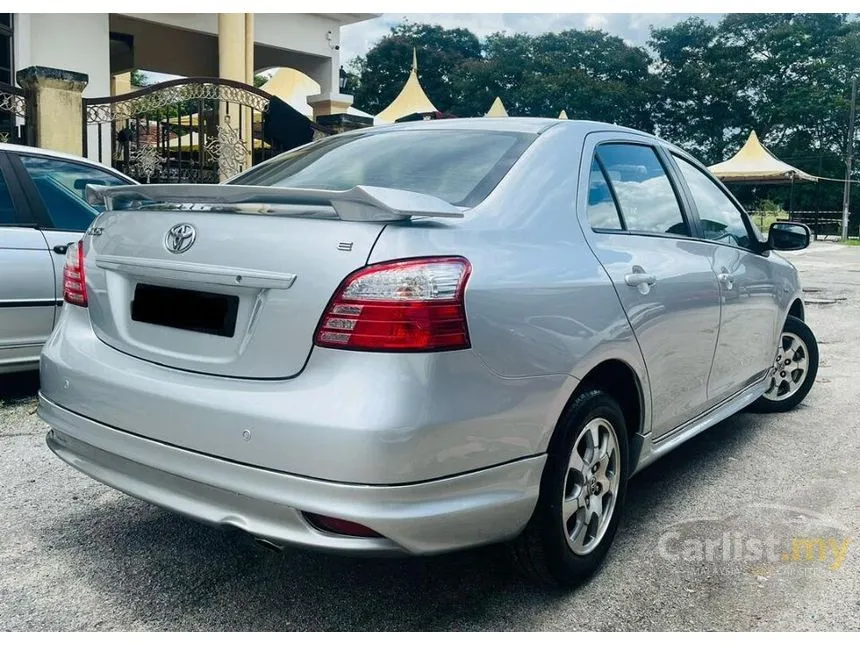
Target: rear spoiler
x,y
358,204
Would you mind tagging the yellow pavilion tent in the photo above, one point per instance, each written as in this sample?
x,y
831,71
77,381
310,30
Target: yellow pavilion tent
x,y
411,100
754,163
497,109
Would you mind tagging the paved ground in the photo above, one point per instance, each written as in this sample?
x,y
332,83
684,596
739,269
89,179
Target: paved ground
x,y
76,555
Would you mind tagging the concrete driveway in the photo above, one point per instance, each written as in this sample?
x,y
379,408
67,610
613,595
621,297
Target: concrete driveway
x,y
753,525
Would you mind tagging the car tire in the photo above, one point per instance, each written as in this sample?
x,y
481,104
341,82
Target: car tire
x,y
560,548
794,371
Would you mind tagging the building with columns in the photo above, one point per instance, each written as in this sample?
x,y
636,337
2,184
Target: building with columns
x,y
106,47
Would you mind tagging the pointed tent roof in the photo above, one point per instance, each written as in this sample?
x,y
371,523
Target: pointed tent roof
x,y
562,115
497,108
411,99
755,163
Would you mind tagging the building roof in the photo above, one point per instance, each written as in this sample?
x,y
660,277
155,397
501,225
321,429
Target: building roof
x,y
411,99
497,108
755,163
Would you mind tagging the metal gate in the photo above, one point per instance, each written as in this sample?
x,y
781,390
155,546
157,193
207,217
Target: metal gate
x,y
189,130
15,115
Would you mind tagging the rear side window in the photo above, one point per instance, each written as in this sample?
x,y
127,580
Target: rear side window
x,y
7,209
646,200
602,212
460,167
62,187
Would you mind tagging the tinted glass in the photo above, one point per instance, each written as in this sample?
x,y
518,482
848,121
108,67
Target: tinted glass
x,y
460,167
602,212
62,187
7,210
720,218
645,196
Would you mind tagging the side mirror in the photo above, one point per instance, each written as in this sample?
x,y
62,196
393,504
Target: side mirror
x,y
788,236
80,184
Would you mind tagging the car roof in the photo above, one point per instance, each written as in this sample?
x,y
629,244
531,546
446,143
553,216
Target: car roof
x,y
532,125
43,152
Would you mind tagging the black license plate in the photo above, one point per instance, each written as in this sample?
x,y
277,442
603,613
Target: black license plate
x,y
207,313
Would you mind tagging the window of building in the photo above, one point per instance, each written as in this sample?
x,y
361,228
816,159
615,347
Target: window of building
x,y
7,69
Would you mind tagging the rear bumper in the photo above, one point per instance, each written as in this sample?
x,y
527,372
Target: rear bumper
x,y
489,505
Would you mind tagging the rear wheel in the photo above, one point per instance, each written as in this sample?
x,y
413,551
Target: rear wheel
x,y
582,494
794,369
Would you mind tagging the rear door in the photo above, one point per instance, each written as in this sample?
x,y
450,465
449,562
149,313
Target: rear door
x,y
637,226
748,285
55,188
27,298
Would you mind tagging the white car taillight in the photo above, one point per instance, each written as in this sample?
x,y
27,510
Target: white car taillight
x,y
74,280
407,306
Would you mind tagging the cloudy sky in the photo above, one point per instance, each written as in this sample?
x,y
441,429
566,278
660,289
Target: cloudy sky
x,y
634,27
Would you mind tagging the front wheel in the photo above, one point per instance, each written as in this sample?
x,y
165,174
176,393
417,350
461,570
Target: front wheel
x,y
582,494
794,369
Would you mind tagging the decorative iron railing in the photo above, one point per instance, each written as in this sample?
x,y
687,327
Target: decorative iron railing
x,y
190,130
14,110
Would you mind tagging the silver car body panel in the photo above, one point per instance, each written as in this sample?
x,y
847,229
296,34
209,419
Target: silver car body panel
x,y
27,297
545,305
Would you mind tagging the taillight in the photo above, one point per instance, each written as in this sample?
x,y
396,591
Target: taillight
x,y
74,280
407,306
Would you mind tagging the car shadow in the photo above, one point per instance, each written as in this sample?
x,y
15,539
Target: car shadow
x,y
200,577
19,385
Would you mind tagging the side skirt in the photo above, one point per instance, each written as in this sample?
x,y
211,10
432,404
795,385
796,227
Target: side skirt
x,y
652,449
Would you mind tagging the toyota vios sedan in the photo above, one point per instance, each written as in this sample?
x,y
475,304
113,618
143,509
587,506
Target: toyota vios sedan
x,y
421,338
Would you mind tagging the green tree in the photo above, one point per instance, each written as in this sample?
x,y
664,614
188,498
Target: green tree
x,y
385,68
589,74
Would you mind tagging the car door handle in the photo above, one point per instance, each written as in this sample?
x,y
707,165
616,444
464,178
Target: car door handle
x,y
637,279
60,249
725,278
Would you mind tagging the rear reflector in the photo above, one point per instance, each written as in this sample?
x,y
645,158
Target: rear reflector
x,y
341,527
406,306
74,279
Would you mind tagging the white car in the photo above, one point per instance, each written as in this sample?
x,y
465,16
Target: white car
x,y
42,211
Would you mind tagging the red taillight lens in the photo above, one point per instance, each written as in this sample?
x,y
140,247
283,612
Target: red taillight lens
x,y
407,306
74,280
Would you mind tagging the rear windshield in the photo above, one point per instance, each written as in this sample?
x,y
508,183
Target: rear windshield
x,y
461,167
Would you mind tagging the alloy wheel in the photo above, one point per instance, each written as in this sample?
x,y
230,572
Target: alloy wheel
x,y
790,367
591,486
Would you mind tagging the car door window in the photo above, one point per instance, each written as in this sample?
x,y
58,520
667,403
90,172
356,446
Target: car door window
x,y
602,212
62,186
721,220
646,199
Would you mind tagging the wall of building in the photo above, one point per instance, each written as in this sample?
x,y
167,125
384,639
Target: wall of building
x,y
75,42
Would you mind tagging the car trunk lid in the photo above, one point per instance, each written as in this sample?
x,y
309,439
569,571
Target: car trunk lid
x,y
229,282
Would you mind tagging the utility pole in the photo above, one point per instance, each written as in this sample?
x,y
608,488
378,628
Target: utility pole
x,y
846,196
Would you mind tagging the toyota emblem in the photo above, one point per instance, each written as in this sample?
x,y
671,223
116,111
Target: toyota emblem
x,y
180,238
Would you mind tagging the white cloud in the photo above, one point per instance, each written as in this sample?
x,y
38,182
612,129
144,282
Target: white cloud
x,y
634,28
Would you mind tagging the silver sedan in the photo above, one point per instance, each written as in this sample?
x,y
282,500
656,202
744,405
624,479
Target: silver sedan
x,y
421,338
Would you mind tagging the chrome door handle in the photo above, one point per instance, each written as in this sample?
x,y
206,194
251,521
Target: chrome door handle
x,y
638,279
641,280
725,278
